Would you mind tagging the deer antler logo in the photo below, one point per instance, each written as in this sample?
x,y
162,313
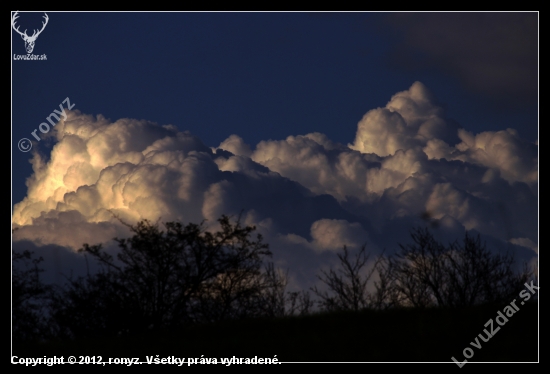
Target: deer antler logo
x,y
29,40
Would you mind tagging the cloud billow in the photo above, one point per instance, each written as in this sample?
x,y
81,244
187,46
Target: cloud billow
x,y
308,196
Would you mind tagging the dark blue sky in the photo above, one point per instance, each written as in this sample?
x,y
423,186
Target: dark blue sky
x,y
269,75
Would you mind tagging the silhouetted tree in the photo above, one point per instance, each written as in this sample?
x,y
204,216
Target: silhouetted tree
x,y
422,274
347,285
241,293
167,277
299,303
427,273
29,297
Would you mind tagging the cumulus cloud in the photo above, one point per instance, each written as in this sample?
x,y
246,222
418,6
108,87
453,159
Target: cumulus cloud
x,y
332,235
525,242
309,196
516,159
411,118
236,145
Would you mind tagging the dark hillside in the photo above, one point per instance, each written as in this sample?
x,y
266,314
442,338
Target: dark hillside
x,y
432,335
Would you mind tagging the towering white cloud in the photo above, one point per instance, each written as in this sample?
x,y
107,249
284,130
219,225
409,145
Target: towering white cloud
x,y
408,165
411,118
